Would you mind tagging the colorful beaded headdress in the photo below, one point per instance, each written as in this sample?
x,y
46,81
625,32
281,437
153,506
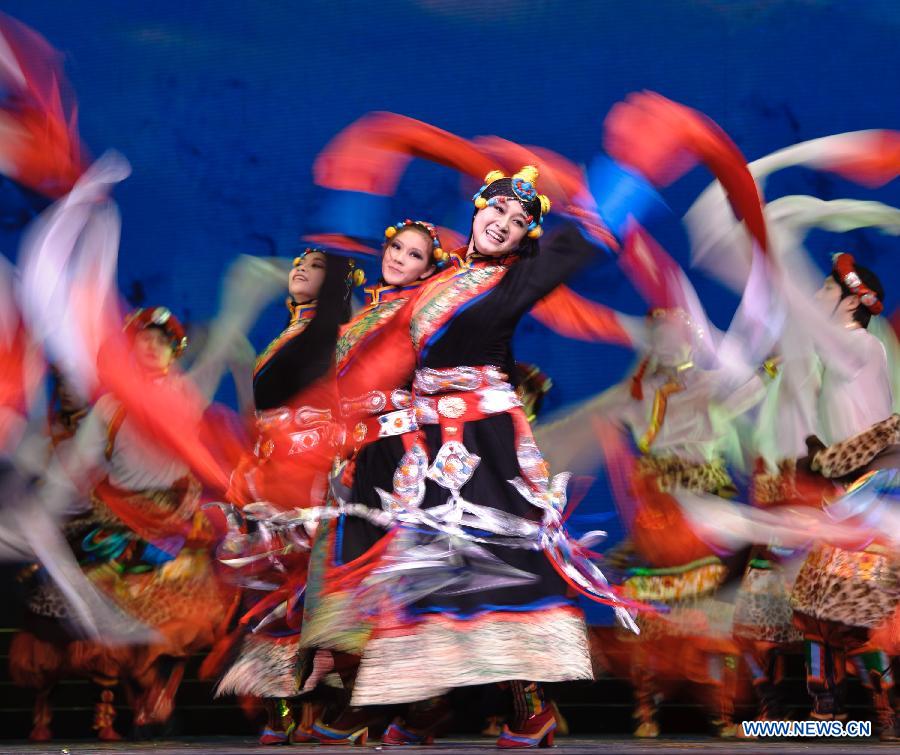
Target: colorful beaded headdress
x,y
845,267
441,258
521,187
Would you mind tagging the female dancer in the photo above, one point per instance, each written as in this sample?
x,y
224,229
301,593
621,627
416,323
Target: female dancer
x,y
346,546
297,436
479,440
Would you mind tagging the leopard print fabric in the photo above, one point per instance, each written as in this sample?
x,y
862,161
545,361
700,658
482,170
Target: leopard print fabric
x,y
855,588
763,611
777,488
672,473
763,607
840,459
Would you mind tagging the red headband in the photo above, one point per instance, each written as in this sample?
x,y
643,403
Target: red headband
x,y
845,267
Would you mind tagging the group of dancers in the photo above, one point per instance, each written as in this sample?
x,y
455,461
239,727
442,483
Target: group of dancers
x,y
378,524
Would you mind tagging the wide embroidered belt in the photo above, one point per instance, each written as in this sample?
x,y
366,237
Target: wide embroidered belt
x,y
384,425
375,402
462,393
295,431
400,417
431,381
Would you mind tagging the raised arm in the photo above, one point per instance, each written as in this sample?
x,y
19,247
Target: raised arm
x,y
250,284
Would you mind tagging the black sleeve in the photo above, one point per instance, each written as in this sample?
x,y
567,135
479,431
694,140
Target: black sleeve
x,y
563,252
307,357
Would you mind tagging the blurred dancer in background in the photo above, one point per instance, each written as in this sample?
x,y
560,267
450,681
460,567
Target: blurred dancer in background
x,y
39,652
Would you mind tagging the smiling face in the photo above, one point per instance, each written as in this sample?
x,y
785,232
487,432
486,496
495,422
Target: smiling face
x,y
499,228
407,258
305,280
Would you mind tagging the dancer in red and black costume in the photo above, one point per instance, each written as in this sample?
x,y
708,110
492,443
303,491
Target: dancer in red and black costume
x,y
476,439
297,437
378,416
472,585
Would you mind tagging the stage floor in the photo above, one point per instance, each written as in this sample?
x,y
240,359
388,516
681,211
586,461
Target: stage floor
x,y
238,746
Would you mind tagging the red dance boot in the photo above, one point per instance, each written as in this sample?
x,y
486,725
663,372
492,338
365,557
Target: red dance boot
x,y
645,702
351,727
309,712
421,725
537,731
279,723
160,698
723,699
535,721
882,692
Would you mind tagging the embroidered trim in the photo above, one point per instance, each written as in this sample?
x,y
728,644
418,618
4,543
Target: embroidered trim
x,y
313,427
440,301
430,380
362,325
372,402
441,653
291,331
673,587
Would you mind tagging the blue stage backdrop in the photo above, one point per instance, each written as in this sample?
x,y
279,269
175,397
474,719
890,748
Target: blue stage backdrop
x,y
222,106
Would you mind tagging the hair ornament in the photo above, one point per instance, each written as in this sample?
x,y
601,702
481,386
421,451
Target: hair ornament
x,y
523,186
357,276
845,266
302,256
